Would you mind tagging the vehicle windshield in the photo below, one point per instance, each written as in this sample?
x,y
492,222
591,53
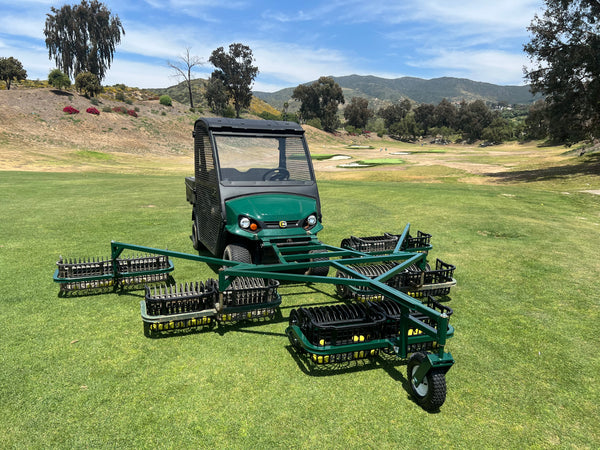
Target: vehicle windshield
x,y
265,159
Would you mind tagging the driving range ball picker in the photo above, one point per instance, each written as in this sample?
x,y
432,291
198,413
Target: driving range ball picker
x,y
256,213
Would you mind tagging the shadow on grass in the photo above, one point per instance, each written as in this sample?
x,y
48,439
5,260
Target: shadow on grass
x,y
388,362
589,165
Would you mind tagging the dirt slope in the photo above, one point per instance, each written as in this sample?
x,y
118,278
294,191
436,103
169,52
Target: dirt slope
x,y
35,133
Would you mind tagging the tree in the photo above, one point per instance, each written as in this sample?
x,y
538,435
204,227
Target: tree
x,y
473,118
309,99
424,116
216,95
58,79
237,73
498,131
11,69
88,83
357,113
565,67
82,38
320,100
405,129
395,113
536,122
445,115
183,68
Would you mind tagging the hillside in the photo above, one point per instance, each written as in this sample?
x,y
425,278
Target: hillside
x,y
35,133
381,90
180,93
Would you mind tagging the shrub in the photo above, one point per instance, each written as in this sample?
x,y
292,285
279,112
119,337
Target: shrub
x,y
316,122
58,79
229,111
70,110
92,110
269,116
107,109
120,96
132,113
120,109
88,83
165,100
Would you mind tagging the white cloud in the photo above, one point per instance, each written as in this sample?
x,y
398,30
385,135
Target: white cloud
x,y
297,64
487,65
141,75
35,60
27,26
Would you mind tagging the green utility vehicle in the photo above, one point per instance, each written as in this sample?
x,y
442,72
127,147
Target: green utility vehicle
x,y
254,191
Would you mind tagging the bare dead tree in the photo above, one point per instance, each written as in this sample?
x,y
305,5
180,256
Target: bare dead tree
x,y
183,68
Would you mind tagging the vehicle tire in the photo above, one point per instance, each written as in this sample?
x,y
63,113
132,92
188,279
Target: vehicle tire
x,y
318,271
431,393
343,291
237,252
199,246
195,241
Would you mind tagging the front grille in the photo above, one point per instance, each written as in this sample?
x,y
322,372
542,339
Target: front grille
x,y
275,225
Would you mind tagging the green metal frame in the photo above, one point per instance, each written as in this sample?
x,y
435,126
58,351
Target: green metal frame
x,y
292,259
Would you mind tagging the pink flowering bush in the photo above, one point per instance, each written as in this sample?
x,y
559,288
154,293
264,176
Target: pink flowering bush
x,y
119,109
70,110
92,110
132,113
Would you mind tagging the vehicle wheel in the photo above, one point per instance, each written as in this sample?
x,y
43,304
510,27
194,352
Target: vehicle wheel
x,y
318,271
431,393
343,291
195,241
237,252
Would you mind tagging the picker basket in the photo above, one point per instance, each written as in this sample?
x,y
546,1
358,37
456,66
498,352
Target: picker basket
x,y
172,307
412,281
337,326
169,300
418,341
249,298
420,284
91,275
387,243
421,241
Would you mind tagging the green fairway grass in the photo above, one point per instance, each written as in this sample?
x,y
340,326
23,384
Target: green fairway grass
x,y
78,372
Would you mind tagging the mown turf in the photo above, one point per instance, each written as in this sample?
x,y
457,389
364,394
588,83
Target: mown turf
x,y
78,371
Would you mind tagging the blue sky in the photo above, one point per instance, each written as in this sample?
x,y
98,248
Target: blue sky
x,y
299,41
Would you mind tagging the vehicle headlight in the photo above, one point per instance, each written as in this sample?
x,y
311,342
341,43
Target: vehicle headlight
x,y
311,220
245,223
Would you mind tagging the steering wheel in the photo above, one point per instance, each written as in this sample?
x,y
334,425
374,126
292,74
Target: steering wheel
x,y
279,174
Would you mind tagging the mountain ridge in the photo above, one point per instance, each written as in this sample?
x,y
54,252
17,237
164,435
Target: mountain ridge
x,y
380,91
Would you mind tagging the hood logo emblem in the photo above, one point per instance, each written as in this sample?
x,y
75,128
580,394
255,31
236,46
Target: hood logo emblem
x,y
282,224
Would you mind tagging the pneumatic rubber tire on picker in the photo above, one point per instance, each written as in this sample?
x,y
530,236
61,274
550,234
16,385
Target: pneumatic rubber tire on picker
x,y
430,394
